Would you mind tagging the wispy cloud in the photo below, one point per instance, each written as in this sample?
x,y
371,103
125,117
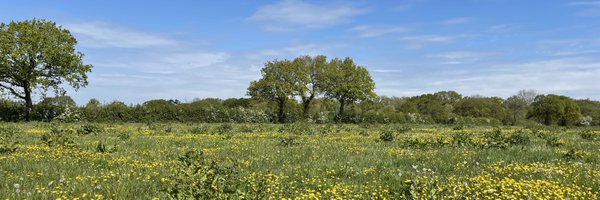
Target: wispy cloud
x,y
293,14
590,8
457,55
105,35
455,21
585,3
430,38
375,31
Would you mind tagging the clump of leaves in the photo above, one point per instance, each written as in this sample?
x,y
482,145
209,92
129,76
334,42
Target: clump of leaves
x,y
387,135
88,129
589,134
103,148
364,132
57,136
553,141
124,135
461,139
495,139
290,140
574,154
8,140
519,138
197,177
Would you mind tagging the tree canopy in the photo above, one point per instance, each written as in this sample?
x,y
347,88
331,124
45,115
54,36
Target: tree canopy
x,y
38,54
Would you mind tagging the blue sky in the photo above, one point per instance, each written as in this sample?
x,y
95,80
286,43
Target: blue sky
x,y
144,50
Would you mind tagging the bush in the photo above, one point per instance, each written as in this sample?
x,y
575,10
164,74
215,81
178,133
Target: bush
x,y
59,137
519,138
101,148
461,139
589,134
553,141
197,177
124,135
289,141
90,129
387,135
8,140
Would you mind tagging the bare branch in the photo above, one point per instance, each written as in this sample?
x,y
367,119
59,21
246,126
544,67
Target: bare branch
x,y
13,91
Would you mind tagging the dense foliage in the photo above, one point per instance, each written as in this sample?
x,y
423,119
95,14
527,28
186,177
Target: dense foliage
x,y
445,107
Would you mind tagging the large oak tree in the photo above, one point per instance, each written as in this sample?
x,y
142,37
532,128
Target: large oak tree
x,y
347,82
39,55
278,84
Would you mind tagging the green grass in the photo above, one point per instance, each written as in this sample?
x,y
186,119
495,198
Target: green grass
x,y
301,161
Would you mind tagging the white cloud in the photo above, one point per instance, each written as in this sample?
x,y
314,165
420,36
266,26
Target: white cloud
x,y
195,60
590,8
430,38
575,77
375,31
460,57
293,14
105,35
455,21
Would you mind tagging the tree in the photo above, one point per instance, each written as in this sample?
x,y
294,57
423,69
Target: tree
x,y
554,109
527,95
38,54
486,107
517,108
52,107
347,83
278,84
310,71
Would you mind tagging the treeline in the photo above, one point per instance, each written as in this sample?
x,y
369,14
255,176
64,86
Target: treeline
x,y
446,107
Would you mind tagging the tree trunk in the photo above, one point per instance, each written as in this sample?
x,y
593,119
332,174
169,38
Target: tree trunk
x,y
28,102
306,106
281,113
341,111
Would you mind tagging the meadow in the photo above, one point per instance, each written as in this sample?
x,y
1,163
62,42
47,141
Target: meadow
x,y
296,161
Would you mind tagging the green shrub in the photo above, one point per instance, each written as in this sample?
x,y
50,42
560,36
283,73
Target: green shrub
x,y
553,141
8,140
290,140
90,129
59,137
124,135
197,177
519,138
102,148
495,139
387,135
589,134
461,139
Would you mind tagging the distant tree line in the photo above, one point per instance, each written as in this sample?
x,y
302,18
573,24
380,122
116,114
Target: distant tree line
x,y
446,107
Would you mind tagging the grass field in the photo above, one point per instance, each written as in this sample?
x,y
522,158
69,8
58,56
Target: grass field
x,y
298,161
